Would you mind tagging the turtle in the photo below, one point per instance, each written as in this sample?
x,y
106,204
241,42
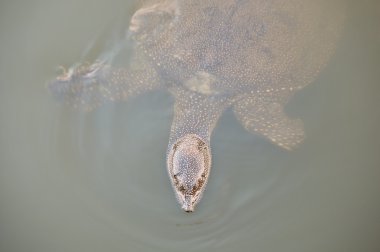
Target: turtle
x,y
210,55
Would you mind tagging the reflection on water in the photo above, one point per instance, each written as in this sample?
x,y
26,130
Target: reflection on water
x,y
73,181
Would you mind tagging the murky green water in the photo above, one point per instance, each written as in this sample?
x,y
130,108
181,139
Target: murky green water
x,y
72,181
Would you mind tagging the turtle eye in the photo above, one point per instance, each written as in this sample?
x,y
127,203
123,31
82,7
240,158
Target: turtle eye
x,y
182,189
175,178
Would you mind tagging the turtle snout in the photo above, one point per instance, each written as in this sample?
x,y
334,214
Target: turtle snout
x,y
188,206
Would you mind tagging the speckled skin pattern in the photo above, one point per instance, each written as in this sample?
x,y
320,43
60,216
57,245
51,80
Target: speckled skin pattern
x,y
252,55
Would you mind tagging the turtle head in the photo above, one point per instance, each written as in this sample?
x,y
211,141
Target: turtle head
x,y
189,162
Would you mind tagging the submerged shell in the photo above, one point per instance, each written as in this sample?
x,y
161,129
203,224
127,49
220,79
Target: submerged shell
x,y
236,46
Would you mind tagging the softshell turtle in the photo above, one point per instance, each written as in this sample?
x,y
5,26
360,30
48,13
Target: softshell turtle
x,y
251,55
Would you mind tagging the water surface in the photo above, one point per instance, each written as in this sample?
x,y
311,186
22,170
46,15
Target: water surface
x,y
74,181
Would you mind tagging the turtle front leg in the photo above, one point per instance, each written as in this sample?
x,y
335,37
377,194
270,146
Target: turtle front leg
x,y
89,86
189,152
267,118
